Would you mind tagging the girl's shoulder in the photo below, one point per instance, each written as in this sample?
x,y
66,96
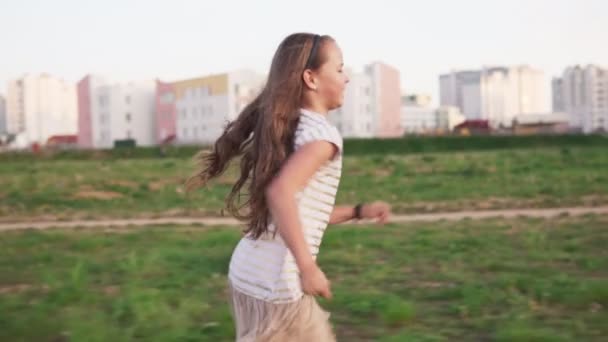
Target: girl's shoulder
x,y
313,129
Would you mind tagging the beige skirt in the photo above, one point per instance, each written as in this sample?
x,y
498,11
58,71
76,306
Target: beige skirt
x,y
260,321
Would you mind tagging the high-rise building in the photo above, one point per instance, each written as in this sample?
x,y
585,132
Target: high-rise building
x,y
355,118
40,106
195,111
111,112
372,103
2,115
495,94
386,90
582,92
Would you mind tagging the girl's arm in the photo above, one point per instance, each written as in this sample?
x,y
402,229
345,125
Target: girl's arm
x,y
280,196
381,211
342,214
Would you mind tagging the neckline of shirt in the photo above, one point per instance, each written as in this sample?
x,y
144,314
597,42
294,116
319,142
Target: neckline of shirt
x,y
313,114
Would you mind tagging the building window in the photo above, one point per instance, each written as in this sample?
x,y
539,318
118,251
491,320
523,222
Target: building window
x,y
166,98
128,117
185,132
103,100
128,99
236,89
129,134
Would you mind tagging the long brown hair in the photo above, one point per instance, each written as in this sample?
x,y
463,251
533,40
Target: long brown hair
x,y
263,132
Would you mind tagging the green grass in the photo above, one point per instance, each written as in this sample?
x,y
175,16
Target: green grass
x,y
499,280
425,144
543,177
353,146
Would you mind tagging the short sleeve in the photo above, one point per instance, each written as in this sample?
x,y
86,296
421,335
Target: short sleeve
x,y
327,132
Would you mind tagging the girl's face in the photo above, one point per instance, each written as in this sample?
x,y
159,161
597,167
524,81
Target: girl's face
x,y
330,77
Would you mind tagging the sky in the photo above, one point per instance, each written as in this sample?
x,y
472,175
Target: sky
x,y
171,40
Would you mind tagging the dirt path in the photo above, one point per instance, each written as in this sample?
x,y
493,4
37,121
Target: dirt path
x,y
214,221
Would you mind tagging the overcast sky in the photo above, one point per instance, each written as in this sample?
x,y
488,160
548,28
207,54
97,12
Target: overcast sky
x,y
170,40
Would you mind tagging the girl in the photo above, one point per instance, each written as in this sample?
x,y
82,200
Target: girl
x,y
291,161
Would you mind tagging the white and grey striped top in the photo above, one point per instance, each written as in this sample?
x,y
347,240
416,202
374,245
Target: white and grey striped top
x,y
265,268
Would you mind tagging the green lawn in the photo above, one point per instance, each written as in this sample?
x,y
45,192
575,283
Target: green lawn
x,y
491,280
543,177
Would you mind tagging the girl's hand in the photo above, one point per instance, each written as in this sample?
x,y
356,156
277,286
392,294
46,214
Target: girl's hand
x,y
314,282
381,211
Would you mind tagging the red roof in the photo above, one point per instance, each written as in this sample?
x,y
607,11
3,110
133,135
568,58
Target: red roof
x,y
483,124
168,139
62,139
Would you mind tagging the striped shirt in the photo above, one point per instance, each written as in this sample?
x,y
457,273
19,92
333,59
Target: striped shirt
x,y
265,268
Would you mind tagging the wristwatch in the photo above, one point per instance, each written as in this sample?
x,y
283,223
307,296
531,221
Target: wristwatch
x,y
358,208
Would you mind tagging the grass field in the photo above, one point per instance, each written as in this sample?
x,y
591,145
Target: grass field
x,y
422,182
352,146
491,280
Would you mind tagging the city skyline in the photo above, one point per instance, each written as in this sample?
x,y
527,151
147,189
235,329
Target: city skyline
x,y
125,42
195,109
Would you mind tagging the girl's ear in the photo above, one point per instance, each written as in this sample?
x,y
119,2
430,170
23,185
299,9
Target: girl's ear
x,y
308,78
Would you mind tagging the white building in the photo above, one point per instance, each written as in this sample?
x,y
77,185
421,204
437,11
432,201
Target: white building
x,y
2,114
355,118
549,117
447,118
195,111
418,120
462,89
557,98
110,112
417,115
495,94
582,92
40,106
372,103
